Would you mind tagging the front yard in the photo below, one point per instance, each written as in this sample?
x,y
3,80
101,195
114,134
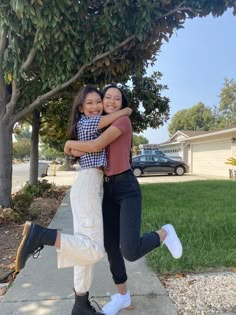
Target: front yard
x,y
204,215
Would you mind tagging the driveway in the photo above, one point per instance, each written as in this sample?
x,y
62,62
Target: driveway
x,y
174,179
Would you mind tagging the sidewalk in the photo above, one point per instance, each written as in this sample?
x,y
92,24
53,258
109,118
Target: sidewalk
x,y
42,289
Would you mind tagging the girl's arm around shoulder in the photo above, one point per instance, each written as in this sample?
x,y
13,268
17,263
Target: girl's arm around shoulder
x,y
107,137
71,148
106,120
77,153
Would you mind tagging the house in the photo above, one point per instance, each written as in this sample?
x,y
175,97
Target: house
x,y
147,148
205,151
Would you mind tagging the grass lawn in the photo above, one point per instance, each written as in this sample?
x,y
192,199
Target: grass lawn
x,y
204,215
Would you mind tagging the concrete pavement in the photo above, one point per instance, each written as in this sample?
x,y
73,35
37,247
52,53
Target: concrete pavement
x,y
42,289
66,178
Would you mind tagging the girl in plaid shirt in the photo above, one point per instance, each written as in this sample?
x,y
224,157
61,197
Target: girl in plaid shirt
x,y
86,247
122,202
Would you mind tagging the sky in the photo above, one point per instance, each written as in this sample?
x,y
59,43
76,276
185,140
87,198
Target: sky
x,y
194,64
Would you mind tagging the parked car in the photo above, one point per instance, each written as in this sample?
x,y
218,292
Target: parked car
x,y
157,163
174,157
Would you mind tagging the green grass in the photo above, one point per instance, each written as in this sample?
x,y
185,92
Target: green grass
x,y
204,215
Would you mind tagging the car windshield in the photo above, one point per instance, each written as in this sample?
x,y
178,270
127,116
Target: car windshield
x,y
148,157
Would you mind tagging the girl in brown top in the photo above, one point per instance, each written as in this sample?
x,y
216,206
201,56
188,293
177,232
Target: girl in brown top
x,y
122,201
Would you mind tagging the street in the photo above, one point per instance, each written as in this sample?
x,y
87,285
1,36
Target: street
x,y
20,175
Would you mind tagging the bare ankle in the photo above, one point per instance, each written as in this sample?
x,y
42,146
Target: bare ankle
x,y
122,288
58,241
162,234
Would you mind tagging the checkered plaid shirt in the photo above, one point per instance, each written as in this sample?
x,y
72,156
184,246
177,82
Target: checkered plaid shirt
x,y
87,129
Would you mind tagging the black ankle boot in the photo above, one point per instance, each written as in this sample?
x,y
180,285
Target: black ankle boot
x,y
82,306
34,238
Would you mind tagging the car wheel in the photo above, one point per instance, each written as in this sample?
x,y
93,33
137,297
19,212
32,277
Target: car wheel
x,y
137,172
179,170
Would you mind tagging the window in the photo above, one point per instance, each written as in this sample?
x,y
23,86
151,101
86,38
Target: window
x,y
149,158
142,158
162,159
147,152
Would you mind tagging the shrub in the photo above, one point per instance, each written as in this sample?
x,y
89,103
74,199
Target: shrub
x,y
9,214
231,161
39,190
21,202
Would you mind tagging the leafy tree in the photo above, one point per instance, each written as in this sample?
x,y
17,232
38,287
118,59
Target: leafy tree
x,y
45,46
22,132
198,117
139,139
145,90
177,122
21,148
227,106
49,153
54,123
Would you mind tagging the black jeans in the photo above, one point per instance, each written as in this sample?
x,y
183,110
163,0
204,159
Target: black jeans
x,y
122,206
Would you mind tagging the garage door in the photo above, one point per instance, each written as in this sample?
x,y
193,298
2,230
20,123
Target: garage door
x,y
209,158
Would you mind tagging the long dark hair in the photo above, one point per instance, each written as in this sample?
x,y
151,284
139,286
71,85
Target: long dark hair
x,y
124,100
77,105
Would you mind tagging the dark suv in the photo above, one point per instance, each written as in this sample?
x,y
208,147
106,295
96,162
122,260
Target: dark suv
x,y
157,163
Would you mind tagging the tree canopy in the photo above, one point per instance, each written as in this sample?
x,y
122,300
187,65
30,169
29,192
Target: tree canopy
x,y
145,90
21,148
227,106
198,117
22,132
46,46
139,139
201,117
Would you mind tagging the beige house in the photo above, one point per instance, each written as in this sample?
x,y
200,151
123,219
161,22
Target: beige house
x,y
205,151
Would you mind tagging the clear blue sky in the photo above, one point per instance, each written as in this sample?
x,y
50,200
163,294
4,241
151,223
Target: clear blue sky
x,y
194,65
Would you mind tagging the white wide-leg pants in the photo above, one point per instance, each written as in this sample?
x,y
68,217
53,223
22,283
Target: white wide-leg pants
x,y
83,249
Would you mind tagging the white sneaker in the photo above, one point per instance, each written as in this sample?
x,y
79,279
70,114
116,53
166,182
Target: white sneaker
x,y
172,241
118,302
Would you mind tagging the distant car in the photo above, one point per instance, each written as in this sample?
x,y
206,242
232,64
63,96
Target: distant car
x,y
157,163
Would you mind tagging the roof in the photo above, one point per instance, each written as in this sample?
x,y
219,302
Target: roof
x,y
191,134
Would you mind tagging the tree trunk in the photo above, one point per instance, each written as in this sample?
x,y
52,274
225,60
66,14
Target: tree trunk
x,y
5,164
34,151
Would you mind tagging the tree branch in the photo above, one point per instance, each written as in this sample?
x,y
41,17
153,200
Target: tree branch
x,y
177,9
66,94
32,53
126,41
14,98
43,98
